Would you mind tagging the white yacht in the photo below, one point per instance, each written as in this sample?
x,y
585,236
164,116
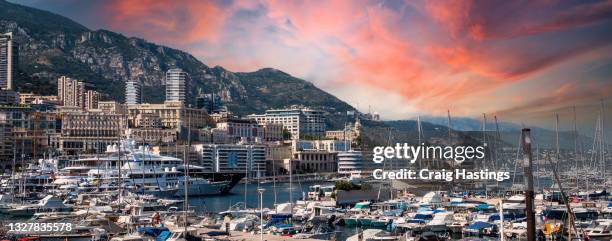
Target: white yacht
x,y
140,170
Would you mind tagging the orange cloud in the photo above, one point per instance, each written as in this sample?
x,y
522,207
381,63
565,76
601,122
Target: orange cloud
x,y
184,22
433,53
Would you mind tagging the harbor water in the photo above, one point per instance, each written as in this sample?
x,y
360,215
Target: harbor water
x,y
216,204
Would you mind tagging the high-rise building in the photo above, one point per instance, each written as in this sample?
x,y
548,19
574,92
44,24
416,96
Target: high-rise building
x,y
91,99
132,92
70,92
8,61
176,85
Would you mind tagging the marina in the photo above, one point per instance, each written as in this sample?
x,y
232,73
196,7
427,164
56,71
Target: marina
x,y
319,211
129,192
107,136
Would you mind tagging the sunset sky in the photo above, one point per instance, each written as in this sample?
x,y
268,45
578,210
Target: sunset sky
x,y
517,59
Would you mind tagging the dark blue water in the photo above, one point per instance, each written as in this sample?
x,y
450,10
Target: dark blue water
x,y
222,203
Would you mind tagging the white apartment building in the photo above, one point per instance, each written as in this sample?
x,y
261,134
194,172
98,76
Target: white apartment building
x,y
350,162
9,59
246,158
91,100
176,85
70,92
132,92
299,121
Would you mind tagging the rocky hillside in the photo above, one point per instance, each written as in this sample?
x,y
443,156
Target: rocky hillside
x,y
52,45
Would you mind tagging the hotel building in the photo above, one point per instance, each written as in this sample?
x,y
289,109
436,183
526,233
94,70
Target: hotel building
x,y
299,121
172,115
90,131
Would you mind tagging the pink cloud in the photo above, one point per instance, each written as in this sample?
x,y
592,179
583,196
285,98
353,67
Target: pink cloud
x,y
432,53
183,22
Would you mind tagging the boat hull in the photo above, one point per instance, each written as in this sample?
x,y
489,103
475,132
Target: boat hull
x,y
351,222
365,222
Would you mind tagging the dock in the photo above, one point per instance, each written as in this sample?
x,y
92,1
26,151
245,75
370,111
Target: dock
x,y
247,236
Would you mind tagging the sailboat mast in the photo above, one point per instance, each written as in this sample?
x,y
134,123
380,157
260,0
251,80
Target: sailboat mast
x,y
575,145
449,125
450,143
13,170
246,182
557,140
119,160
603,141
484,138
419,137
186,160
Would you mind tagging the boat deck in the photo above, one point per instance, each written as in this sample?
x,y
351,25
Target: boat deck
x,y
248,236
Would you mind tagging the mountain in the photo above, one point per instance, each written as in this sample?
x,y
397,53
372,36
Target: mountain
x,y
407,131
470,124
510,132
51,45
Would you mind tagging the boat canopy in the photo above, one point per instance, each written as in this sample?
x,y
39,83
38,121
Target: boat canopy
x,y
51,202
479,225
362,205
152,231
483,207
431,198
278,219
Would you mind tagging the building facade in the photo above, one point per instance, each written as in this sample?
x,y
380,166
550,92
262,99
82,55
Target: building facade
x,y
90,131
30,98
301,122
133,92
70,92
210,102
272,131
245,158
176,85
9,60
350,162
152,136
320,145
33,128
172,114
91,100
6,145
112,107
147,120
241,129
315,161
349,133
9,97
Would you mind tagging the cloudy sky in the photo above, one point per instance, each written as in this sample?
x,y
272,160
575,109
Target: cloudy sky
x,y
516,59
